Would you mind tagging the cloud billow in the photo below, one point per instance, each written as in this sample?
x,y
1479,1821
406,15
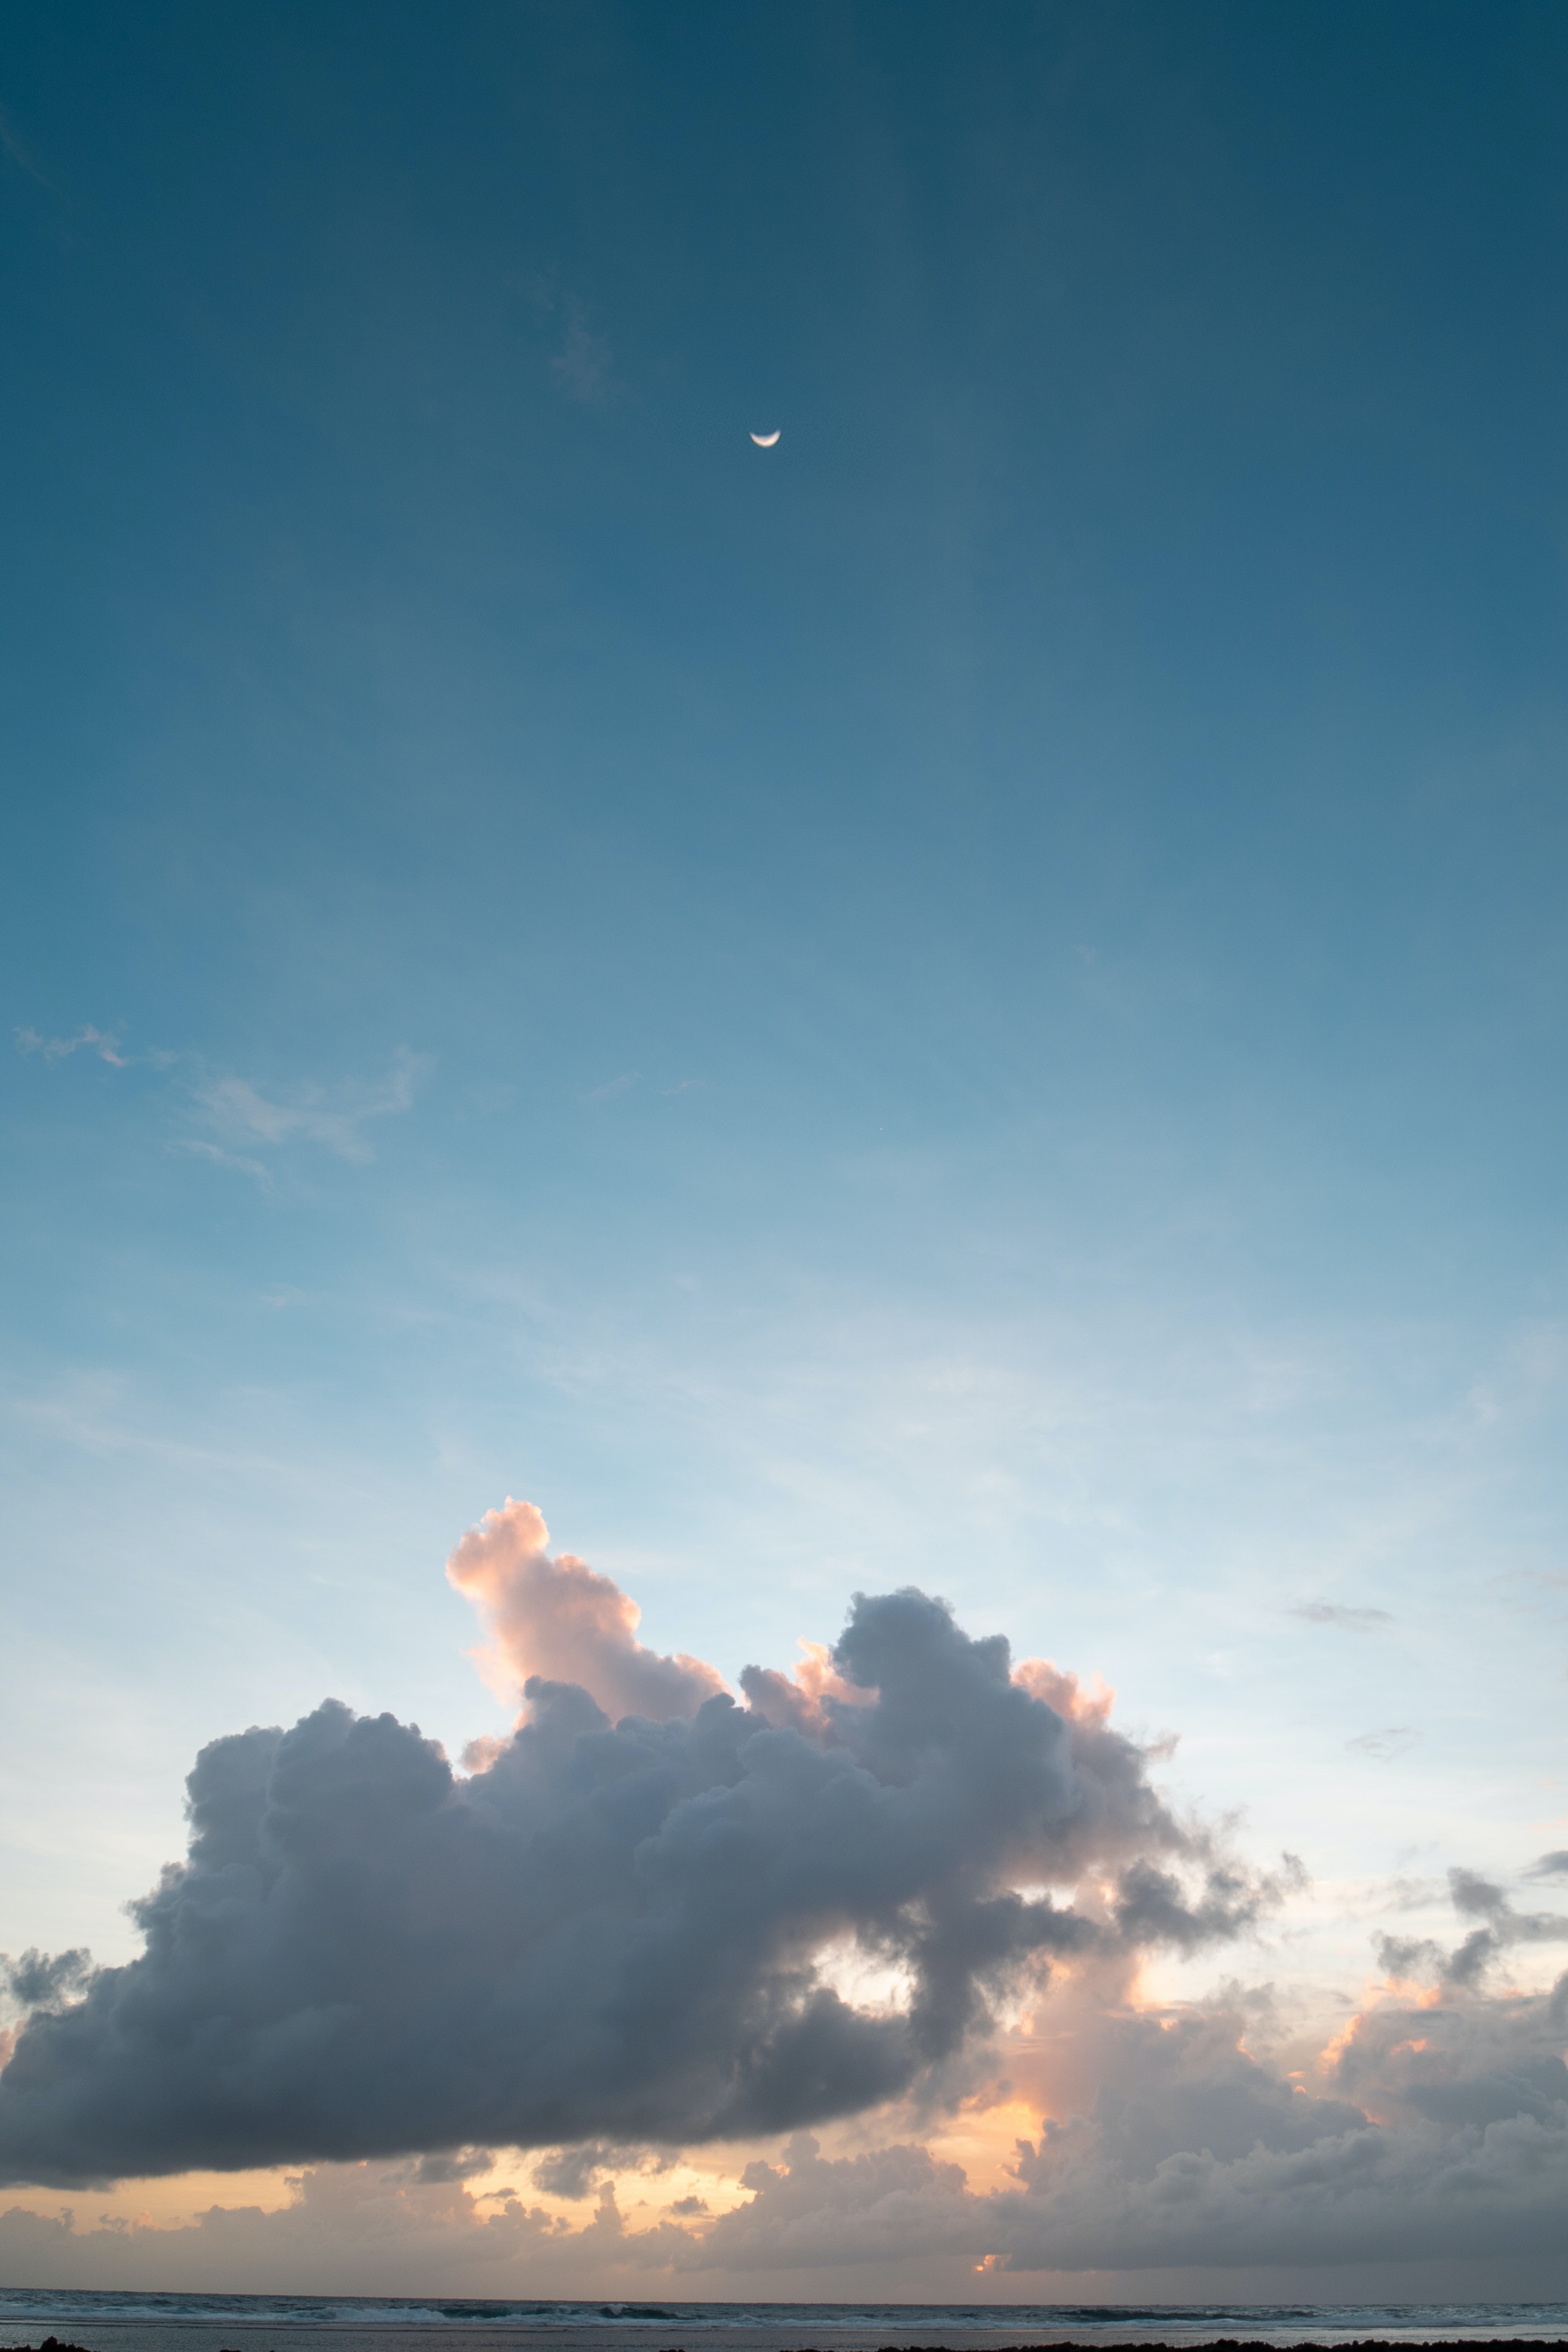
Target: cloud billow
x,y
620,1931
1193,2155
654,1918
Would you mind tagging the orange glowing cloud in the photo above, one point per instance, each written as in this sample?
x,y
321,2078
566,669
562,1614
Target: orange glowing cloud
x,y
560,1620
1086,1703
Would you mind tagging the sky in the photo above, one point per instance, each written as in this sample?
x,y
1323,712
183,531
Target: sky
x,y
972,1003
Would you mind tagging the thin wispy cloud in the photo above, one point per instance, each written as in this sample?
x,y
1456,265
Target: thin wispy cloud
x,y
14,147
235,1118
582,366
102,1043
199,1149
243,1119
581,361
1385,1745
1333,1613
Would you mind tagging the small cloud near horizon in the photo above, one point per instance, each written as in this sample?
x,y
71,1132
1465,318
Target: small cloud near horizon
x,y
1384,1744
1333,1613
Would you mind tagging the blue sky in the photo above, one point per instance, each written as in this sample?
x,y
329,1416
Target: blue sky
x,y
976,999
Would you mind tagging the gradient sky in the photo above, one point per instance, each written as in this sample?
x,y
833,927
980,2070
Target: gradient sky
x,y
977,999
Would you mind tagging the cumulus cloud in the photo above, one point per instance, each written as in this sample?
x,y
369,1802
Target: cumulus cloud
x,y
343,2227
1368,2195
1429,2131
1439,2130
808,2211
910,1875
41,1981
555,1620
642,1930
1434,2133
1333,1613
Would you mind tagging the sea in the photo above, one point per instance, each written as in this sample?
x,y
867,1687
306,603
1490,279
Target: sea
x,y
311,2323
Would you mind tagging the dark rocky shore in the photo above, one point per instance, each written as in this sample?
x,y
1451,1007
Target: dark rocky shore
x,y
1217,2344
1245,2343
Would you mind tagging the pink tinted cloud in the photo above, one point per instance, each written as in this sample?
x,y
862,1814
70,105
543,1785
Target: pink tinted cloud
x,y
1076,1701
806,1702
559,1619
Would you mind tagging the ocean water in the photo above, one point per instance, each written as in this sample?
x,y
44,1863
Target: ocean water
x,y
310,2323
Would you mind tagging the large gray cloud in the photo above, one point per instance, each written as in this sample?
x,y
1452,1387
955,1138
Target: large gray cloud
x,y
611,1932
1440,2134
1366,2196
1437,2134
1193,2156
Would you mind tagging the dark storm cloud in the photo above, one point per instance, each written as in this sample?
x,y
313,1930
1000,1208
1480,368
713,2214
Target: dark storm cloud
x,y
1193,2154
1473,1897
572,2172
1153,1907
610,1932
41,1981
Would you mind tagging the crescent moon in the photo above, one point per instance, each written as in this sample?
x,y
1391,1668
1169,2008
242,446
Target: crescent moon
x,y
766,440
